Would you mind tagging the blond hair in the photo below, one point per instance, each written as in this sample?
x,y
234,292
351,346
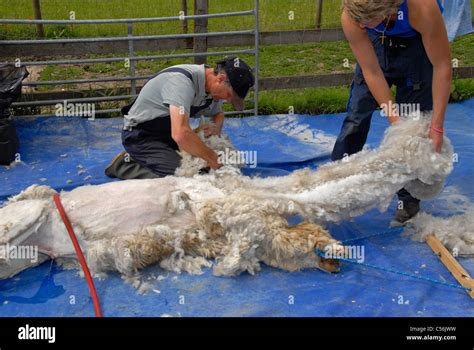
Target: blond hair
x,y
369,10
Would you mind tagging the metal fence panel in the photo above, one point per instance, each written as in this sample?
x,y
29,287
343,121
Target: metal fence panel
x,y
131,57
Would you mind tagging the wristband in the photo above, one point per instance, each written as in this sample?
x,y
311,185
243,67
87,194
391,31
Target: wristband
x,y
441,131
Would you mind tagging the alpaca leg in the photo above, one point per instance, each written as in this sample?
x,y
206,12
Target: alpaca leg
x,y
175,250
33,192
18,222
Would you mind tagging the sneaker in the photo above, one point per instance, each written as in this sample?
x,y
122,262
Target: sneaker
x,y
409,210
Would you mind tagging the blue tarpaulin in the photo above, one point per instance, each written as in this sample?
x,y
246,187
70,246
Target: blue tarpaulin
x,y
457,17
68,152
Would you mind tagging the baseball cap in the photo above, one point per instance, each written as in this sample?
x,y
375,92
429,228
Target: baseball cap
x,y
241,79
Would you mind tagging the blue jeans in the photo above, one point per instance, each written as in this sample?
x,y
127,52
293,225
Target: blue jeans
x,y
405,64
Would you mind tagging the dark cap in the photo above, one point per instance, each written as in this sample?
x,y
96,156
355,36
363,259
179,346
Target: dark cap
x,y
241,79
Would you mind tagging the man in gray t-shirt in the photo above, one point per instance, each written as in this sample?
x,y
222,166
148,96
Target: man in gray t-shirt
x,y
156,124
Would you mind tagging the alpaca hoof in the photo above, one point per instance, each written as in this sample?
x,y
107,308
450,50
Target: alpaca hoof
x,y
330,265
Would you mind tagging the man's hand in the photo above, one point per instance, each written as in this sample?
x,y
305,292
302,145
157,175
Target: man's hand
x,y
393,119
211,129
188,140
437,139
214,163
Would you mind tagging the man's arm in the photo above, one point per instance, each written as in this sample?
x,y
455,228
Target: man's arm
x,y
218,119
427,19
365,54
215,127
188,140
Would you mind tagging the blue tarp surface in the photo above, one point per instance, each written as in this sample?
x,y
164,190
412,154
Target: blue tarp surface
x,y
68,152
457,17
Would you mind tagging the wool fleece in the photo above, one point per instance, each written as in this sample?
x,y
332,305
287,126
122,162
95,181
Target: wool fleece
x,y
223,219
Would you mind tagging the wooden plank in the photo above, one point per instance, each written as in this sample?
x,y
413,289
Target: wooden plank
x,y
463,72
100,48
306,81
273,83
52,51
461,275
71,94
276,83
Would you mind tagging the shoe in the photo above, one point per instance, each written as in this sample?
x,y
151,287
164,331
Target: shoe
x,y
409,210
108,170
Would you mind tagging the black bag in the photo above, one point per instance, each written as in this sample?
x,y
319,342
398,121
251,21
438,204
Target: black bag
x,y
9,143
10,89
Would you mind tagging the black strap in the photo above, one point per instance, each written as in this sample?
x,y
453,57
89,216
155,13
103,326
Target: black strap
x,y
195,110
176,70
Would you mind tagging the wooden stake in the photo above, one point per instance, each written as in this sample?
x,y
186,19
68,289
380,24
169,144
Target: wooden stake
x,y
201,7
184,8
39,26
451,264
319,13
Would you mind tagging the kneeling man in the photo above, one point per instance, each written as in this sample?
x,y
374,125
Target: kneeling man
x,y
156,124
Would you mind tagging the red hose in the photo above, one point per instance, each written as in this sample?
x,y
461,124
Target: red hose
x,y
82,260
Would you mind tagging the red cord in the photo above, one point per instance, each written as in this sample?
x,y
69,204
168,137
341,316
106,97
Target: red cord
x,y
82,260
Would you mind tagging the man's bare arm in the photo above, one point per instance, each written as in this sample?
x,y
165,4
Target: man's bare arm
x,y
215,127
427,19
218,119
188,140
364,52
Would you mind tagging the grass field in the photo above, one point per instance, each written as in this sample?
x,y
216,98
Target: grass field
x,y
274,15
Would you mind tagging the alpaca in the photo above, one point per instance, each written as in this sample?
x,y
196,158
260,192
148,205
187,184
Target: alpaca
x,y
183,223
127,225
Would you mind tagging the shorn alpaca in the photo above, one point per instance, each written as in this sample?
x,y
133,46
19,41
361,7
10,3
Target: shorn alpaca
x,y
223,219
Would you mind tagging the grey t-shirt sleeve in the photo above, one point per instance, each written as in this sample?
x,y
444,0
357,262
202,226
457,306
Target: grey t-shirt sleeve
x,y
212,110
216,108
179,91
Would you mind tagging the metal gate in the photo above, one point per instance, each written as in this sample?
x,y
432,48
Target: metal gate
x,y
131,57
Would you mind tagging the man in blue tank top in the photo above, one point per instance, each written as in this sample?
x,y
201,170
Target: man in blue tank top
x,y
402,43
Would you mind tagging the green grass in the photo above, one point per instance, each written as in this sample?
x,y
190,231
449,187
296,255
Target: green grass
x,y
304,101
331,100
463,49
274,15
462,90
